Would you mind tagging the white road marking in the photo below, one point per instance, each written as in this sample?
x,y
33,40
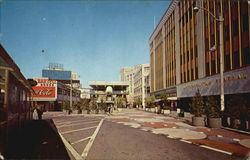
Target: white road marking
x,y
89,145
84,139
66,132
186,141
77,124
69,122
218,150
70,148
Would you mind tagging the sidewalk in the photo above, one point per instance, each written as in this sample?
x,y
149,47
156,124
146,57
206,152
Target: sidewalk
x,y
220,140
36,140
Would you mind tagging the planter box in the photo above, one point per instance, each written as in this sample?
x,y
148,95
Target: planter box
x,y
178,110
198,121
152,109
214,122
166,111
119,109
188,115
174,113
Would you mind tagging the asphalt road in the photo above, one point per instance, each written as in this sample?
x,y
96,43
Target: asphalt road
x,y
116,141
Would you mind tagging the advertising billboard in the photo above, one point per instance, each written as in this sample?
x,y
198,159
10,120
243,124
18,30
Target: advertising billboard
x,y
45,90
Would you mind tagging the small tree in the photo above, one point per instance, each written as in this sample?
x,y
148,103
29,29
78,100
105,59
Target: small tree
x,y
85,104
150,100
138,101
197,105
94,106
165,100
120,101
103,106
66,105
212,108
237,109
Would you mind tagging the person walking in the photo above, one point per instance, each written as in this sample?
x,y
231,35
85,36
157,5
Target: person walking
x,y
39,113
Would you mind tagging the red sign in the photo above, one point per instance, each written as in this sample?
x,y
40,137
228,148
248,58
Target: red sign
x,y
46,92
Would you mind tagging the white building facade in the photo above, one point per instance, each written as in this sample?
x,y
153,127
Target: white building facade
x,y
140,77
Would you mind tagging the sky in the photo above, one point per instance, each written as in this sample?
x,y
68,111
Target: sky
x,y
93,38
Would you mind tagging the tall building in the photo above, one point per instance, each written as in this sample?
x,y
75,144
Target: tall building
x,y
181,56
140,75
127,75
56,71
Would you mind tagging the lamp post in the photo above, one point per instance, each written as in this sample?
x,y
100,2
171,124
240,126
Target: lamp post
x,y
70,98
220,20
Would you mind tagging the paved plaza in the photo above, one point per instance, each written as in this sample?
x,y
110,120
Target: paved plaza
x,y
221,140
81,134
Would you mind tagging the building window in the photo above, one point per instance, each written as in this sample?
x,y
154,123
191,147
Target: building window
x,y
213,67
246,54
235,27
196,72
236,59
227,62
226,31
244,22
207,68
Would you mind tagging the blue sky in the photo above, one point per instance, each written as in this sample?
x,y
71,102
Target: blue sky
x,y
93,38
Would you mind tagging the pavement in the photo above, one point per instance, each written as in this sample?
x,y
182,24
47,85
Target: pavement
x,y
220,140
37,139
63,136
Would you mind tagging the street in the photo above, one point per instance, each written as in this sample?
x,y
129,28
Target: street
x,y
133,134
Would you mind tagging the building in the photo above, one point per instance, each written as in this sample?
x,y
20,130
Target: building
x,y
15,106
127,75
51,95
56,71
107,92
181,56
140,75
147,85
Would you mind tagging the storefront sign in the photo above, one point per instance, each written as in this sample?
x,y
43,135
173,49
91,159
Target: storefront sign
x,y
45,92
237,81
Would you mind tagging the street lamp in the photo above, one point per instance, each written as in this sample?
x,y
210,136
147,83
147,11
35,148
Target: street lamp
x,y
220,20
70,92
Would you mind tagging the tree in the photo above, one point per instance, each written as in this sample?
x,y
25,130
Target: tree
x,y
164,98
66,105
85,105
138,101
103,106
237,109
120,102
197,105
150,100
212,108
94,106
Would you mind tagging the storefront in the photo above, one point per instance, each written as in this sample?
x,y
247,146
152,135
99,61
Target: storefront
x,y
51,94
15,103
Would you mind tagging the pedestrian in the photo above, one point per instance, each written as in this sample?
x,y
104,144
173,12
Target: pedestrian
x,y
35,113
39,112
109,109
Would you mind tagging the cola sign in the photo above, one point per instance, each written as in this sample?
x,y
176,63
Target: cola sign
x,y
48,92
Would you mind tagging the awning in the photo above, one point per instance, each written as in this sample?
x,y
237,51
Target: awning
x,y
157,100
172,98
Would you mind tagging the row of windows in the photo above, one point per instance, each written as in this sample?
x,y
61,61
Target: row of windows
x,y
188,41
237,54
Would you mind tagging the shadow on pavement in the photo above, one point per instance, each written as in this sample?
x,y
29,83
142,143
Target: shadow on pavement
x,y
38,139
